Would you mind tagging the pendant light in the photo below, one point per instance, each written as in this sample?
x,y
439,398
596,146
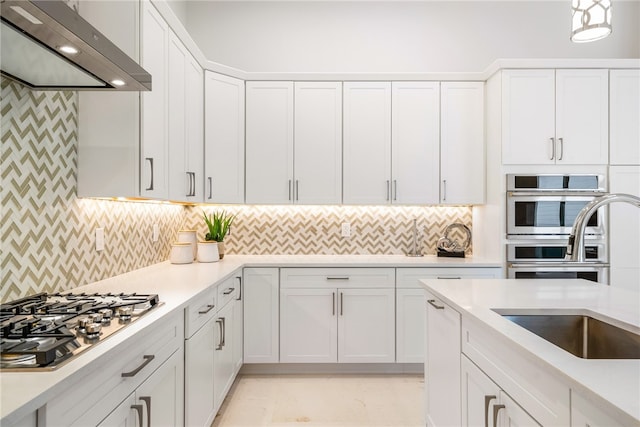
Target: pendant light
x,y
590,20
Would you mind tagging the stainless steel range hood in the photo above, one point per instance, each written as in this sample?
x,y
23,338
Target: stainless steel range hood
x,y
46,45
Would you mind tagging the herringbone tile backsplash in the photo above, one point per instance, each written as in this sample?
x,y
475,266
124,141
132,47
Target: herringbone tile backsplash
x,y
47,233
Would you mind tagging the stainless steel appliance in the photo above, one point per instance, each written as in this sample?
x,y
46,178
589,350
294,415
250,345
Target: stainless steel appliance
x,y
43,331
541,210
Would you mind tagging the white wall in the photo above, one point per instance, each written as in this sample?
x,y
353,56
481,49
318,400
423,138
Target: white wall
x,y
398,36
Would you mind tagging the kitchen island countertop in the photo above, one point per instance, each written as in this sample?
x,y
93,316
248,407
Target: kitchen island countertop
x,y
609,382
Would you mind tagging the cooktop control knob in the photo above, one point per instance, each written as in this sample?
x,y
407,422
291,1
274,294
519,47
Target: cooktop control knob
x,y
93,330
107,314
95,317
82,323
124,313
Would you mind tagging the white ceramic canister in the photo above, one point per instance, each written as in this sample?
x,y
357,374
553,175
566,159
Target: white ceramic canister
x,y
181,253
190,237
208,251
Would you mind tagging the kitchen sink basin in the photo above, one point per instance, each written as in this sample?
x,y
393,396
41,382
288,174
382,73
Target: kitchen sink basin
x,y
581,335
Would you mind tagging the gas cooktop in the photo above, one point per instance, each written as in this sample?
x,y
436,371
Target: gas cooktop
x,y
43,331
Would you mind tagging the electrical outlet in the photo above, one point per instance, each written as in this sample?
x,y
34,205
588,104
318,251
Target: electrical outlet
x,y
156,233
345,231
99,239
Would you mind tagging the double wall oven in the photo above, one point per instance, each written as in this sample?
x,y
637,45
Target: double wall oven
x,y
541,210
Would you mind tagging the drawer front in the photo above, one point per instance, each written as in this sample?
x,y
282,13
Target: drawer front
x,y
337,277
201,308
103,388
533,387
228,290
409,277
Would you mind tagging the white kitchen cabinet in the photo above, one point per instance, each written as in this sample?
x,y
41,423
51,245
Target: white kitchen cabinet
x,y
485,404
624,110
555,116
624,221
224,139
462,147
223,363
269,142
442,364
155,113
344,315
261,315
367,143
415,128
186,143
294,149
317,171
238,325
411,308
109,122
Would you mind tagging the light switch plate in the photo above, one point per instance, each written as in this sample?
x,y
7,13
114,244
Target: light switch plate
x,y
156,233
345,229
99,239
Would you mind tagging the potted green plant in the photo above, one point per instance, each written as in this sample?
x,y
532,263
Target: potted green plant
x,y
218,224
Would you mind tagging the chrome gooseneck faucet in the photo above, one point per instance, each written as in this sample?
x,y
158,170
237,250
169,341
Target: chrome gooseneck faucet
x,y
415,252
575,248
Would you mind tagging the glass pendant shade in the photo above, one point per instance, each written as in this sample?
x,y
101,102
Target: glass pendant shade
x,y
590,20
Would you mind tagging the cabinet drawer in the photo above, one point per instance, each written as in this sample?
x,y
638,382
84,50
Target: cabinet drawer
x,y
201,308
228,290
103,386
544,397
409,277
337,277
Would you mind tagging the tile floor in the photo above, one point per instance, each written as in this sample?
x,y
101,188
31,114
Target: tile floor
x,y
324,400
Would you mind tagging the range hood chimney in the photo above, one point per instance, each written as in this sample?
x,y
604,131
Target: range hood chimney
x,y
46,45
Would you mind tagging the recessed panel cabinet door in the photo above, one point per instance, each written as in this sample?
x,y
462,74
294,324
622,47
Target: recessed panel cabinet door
x,y
261,315
366,325
624,112
269,142
528,117
479,395
318,143
224,139
154,138
415,142
177,160
367,143
308,326
199,377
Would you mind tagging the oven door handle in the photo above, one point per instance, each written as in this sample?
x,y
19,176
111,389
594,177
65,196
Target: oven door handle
x,y
555,193
563,264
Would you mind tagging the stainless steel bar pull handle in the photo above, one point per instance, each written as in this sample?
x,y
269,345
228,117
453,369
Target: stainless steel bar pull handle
x,y
553,148
341,303
209,308
147,359
210,187
487,401
444,190
433,303
220,323
297,190
147,400
337,277
388,189
150,160
138,409
496,409
395,189
239,288
449,277
228,291
333,303
561,148
224,332
289,189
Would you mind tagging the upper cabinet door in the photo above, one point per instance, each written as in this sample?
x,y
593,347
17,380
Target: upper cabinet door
x,y
269,142
179,183
462,143
528,116
318,143
194,119
224,139
415,124
153,147
367,143
624,116
582,116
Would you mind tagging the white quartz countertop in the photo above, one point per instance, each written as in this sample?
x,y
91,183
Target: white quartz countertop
x,y
614,381
24,392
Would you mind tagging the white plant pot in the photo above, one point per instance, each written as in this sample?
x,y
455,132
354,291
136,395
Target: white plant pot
x,y
208,251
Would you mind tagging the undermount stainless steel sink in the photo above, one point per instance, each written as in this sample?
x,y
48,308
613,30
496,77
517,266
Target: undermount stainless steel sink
x,y
581,335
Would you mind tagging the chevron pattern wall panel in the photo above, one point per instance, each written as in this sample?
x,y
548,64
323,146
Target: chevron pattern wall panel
x,y
47,234
316,229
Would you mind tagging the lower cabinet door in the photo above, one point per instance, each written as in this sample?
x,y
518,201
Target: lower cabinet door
x,y
479,395
308,325
199,400
238,324
366,325
261,315
162,394
128,414
223,363
410,319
